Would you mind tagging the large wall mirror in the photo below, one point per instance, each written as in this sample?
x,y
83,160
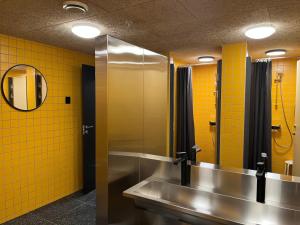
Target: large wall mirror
x,y
261,121
24,87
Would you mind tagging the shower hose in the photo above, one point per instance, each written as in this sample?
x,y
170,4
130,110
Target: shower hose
x,y
288,147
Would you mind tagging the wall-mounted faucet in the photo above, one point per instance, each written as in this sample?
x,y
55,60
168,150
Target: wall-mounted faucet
x,y
186,162
261,182
182,158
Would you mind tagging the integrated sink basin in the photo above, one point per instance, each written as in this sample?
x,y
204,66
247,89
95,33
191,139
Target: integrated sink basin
x,y
195,206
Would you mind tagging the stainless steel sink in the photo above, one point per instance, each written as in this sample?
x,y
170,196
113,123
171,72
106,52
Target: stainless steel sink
x,y
200,207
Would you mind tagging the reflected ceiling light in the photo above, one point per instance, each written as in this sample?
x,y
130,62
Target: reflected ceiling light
x,y
276,52
75,5
206,59
260,32
86,31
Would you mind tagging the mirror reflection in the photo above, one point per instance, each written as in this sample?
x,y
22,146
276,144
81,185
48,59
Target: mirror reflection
x,y
24,87
261,104
284,76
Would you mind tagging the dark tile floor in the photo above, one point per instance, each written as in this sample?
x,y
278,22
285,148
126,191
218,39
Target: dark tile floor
x,y
76,209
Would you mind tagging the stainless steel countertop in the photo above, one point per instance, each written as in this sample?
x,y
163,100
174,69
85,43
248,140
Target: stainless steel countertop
x,y
206,206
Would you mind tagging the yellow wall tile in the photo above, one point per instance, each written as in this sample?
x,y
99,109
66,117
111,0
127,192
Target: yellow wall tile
x,y
40,151
233,104
204,87
289,68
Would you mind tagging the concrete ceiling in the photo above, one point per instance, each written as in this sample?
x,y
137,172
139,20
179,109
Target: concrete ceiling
x,y
186,28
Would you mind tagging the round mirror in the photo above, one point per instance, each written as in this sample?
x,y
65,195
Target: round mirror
x,y
24,87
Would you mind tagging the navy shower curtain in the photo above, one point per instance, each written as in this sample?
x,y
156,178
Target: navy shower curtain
x,y
260,123
185,116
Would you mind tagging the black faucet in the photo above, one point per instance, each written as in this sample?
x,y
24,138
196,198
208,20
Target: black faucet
x,y
194,151
186,161
261,182
264,157
182,157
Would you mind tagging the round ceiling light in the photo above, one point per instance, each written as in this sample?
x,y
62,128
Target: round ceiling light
x,y
260,32
206,59
276,52
86,31
75,5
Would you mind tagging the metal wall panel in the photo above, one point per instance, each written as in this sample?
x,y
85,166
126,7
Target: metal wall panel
x,y
101,131
127,169
233,183
131,116
283,191
155,103
124,172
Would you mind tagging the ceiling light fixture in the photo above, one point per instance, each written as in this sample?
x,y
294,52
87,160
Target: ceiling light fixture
x,y
75,5
206,59
86,31
260,32
276,52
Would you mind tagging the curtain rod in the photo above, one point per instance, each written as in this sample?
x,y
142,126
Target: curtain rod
x,y
279,57
196,64
263,60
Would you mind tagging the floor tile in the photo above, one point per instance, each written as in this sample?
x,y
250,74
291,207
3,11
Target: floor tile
x,y
76,209
83,215
89,197
54,210
29,219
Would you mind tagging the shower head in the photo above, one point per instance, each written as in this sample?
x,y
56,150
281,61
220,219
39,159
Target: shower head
x,y
278,78
279,69
279,74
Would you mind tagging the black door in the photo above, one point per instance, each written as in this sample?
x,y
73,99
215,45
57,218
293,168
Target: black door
x,y
88,127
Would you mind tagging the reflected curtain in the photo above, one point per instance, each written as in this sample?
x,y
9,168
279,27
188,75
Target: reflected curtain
x,y
185,116
260,124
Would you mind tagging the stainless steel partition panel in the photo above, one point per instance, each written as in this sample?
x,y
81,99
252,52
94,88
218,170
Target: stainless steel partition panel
x,y
155,103
123,174
125,96
101,131
131,109
127,169
137,99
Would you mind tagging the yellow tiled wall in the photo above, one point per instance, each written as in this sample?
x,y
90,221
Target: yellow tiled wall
x,y
289,69
204,100
233,104
40,151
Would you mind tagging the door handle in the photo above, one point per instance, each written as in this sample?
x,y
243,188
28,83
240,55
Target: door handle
x,y
88,127
85,129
